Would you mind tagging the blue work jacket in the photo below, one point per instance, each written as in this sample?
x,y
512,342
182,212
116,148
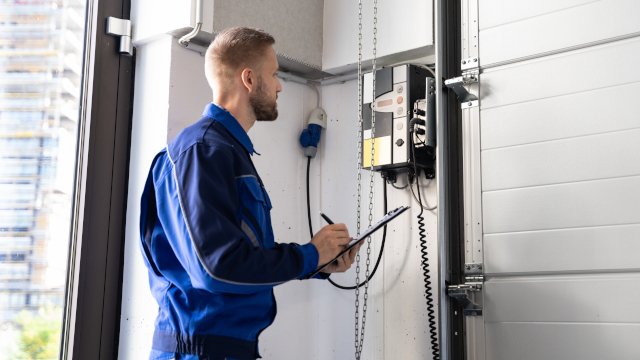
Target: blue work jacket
x,y
207,241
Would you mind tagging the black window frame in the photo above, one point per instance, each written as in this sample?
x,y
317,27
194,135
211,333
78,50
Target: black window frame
x,y
96,256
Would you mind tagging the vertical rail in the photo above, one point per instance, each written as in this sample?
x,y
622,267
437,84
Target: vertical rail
x,y
442,158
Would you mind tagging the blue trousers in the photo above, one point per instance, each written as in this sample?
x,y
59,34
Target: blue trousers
x,y
196,357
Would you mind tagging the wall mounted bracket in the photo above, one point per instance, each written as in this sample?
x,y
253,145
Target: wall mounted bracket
x,y
474,279
121,28
462,293
467,99
470,75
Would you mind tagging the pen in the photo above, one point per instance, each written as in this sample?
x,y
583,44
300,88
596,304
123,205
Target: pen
x,y
326,218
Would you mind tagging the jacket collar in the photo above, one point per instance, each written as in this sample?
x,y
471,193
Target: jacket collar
x,y
227,120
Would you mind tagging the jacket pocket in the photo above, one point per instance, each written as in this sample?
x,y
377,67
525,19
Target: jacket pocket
x,y
254,214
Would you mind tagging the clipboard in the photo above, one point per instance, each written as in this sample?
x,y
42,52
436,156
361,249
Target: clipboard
x,y
375,227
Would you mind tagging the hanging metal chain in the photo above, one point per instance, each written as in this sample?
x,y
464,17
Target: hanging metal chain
x,y
359,344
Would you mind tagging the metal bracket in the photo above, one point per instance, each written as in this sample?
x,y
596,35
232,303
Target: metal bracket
x,y
470,63
121,28
467,100
473,269
462,293
474,279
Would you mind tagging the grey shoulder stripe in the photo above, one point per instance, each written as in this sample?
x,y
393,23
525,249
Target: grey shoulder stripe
x,y
245,176
250,234
175,177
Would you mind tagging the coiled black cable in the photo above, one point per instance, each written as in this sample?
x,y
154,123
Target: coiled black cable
x,y
384,234
425,261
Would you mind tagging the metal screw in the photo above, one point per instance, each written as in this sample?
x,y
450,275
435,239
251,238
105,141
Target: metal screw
x,y
470,104
473,265
463,62
473,313
479,266
475,60
468,267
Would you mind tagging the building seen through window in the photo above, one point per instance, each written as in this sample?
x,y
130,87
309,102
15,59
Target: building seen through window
x,y
41,51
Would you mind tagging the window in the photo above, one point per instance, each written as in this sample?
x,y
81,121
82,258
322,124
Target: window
x,y
41,52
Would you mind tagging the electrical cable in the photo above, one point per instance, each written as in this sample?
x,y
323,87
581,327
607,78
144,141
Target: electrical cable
x,y
309,202
319,98
384,234
384,238
400,188
415,178
425,263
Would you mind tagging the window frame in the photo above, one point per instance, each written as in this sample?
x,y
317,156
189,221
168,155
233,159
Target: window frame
x,y
93,297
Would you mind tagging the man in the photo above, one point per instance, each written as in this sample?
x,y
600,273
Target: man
x,y
205,225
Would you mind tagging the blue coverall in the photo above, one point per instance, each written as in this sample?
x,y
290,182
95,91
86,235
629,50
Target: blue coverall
x,y
208,244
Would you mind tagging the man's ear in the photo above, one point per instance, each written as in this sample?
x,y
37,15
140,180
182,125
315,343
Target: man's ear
x,y
248,79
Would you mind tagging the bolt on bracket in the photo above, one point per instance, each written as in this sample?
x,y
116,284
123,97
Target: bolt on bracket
x,y
473,269
470,63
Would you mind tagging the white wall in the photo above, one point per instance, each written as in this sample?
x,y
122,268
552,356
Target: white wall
x,y
315,320
148,136
404,32
170,94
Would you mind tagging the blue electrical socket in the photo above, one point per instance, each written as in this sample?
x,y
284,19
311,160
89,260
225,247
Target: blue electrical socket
x,y
310,136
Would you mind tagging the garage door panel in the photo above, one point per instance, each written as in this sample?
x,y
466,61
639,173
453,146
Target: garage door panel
x,y
500,12
584,341
584,113
591,157
583,204
574,298
556,30
568,73
592,249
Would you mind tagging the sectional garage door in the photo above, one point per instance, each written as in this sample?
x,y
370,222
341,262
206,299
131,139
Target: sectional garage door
x,y
556,184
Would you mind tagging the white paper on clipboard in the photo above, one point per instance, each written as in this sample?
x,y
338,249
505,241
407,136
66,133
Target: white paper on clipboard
x,y
375,227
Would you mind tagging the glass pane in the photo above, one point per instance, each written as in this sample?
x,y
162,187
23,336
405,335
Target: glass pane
x,y
41,52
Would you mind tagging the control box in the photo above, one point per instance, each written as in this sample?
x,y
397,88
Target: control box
x,y
402,93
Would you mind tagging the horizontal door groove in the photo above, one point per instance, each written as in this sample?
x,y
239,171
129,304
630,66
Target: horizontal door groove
x,y
502,276
562,228
555,96
534,16
559,183
566,228
560,51
560,139
565,323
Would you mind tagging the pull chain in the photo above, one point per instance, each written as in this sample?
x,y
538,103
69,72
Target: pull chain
x,y
357,342
360,339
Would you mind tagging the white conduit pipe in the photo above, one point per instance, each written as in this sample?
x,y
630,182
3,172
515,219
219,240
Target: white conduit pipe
x,y
339,79
290,77
187,38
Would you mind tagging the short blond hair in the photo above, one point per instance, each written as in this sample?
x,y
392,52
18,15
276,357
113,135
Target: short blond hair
x,y
234,49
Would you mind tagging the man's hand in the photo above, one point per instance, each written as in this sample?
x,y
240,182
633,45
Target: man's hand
x,y
344,262
329,241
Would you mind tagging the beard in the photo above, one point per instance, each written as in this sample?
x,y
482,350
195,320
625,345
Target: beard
x,y
263,107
